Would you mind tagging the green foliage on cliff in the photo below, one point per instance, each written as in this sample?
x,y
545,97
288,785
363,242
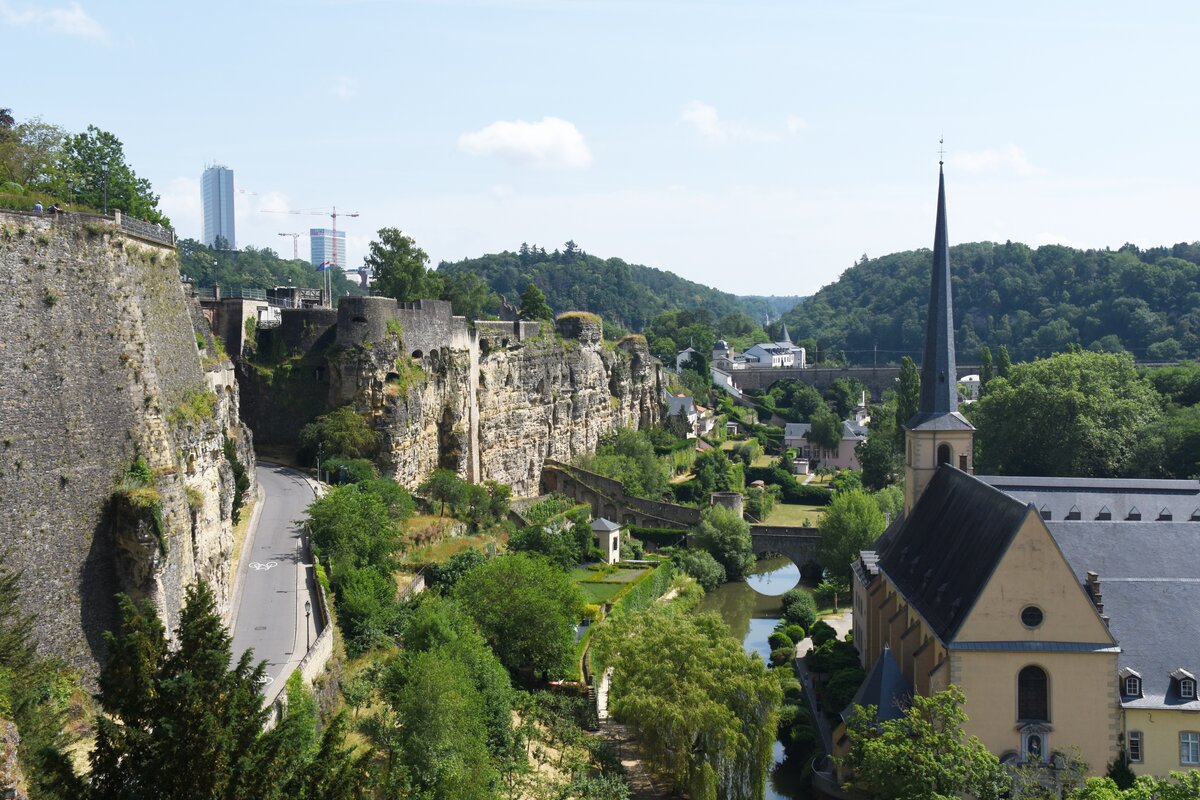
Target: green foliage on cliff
x,y
626,295
42,162
1036,302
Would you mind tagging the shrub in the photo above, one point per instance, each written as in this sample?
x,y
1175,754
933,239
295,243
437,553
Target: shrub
x,y
348,470
700,564
795,632
832,657
799,608
779,639
822,632
841,688
780,656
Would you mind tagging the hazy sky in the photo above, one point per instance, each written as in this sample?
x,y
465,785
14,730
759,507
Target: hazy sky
x,y
759,147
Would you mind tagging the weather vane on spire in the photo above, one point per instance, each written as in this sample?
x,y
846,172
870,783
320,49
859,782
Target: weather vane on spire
x,y
941,150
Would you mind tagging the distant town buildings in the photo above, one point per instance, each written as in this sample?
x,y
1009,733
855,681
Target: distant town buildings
x,y
764,355
216,197
323,247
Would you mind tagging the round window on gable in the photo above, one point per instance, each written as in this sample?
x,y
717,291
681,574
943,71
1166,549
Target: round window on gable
x,y
1031,616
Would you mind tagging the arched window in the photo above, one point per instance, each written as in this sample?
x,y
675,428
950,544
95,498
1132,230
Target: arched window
x,y
943,454
1033,699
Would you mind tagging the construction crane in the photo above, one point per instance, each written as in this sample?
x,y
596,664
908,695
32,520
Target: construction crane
x,y
295,243
333,262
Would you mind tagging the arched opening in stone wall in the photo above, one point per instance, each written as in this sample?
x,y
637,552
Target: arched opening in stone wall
x,y
417,355
449,442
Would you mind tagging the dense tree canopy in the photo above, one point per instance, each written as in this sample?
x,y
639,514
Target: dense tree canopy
x,y
704,709
398,268
1036,302
527,609
922,755
627,295
852,523
182,723
726,536
1076,413
252,268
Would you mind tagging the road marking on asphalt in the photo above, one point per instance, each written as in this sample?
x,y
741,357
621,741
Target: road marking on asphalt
x,y
258,566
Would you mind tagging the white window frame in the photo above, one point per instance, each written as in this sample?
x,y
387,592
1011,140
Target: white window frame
x,y
1189,748
1134,747
1187,689
1133,686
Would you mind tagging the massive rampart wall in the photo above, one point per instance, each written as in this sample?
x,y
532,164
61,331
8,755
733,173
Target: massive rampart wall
x,y
100,363
491,403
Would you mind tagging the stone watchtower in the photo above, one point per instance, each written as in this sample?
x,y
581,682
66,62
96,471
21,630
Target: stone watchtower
x,y
937,434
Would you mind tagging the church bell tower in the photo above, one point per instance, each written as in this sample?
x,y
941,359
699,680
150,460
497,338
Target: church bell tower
x,y
937,434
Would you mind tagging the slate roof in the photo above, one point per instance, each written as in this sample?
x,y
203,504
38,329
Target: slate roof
x,y
883,688
796,430
944,552
607,526
939,421
1150,587
1086,499
680,405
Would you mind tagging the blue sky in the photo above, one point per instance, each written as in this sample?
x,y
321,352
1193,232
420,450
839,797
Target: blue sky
x,y
760,147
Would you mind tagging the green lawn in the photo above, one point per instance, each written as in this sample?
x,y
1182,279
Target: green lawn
x,y
794,514
600,592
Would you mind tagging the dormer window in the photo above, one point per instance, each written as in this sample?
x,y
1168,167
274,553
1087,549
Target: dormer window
x,y
1104,514
1186,682
1074,513
1134,515
1046,514
1133,686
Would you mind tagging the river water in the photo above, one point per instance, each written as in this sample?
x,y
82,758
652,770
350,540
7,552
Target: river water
x,y
751,609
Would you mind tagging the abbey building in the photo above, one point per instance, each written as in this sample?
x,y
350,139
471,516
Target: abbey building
x,y
1064,608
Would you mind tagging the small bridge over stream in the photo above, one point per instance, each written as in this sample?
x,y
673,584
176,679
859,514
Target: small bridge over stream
x,y
609,499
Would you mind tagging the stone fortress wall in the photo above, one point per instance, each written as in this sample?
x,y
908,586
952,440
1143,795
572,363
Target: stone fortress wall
x,y
99,351
490,400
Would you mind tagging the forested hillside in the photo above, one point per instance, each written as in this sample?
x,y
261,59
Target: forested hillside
x,y
629,295
1036,302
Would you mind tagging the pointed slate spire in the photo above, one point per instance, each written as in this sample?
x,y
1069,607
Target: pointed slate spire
x,y
783,336
939,381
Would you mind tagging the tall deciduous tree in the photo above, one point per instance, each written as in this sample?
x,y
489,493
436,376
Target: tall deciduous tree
x,y
852,523
986,371
908,397
527,610
923,755
1003,362
726,536
93,163
534,305
704,710
1077,413
398,267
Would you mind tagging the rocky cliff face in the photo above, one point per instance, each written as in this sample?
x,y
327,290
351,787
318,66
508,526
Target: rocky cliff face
x,y
105,361
495,407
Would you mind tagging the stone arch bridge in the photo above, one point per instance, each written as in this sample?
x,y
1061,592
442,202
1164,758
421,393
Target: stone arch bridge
x,y
876,379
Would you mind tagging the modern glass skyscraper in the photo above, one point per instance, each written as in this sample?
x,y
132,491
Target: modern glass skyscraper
x,y
216,193
322,247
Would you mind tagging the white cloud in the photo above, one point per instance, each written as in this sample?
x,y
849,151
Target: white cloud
x,y
995,160
69,20
551,142
345,87
716,131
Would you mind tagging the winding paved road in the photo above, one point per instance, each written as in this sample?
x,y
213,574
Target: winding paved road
x,y
274,581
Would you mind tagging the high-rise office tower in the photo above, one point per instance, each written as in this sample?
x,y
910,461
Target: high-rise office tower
x,y
322,247
216,193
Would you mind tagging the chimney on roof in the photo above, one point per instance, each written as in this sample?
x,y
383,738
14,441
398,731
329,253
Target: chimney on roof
x,y
1093,590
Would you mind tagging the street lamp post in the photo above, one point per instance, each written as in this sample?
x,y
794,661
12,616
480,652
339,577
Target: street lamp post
x,y
104,172
307,633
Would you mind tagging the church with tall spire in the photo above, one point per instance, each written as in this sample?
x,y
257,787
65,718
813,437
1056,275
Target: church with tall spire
x,y
937,434
1058,605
